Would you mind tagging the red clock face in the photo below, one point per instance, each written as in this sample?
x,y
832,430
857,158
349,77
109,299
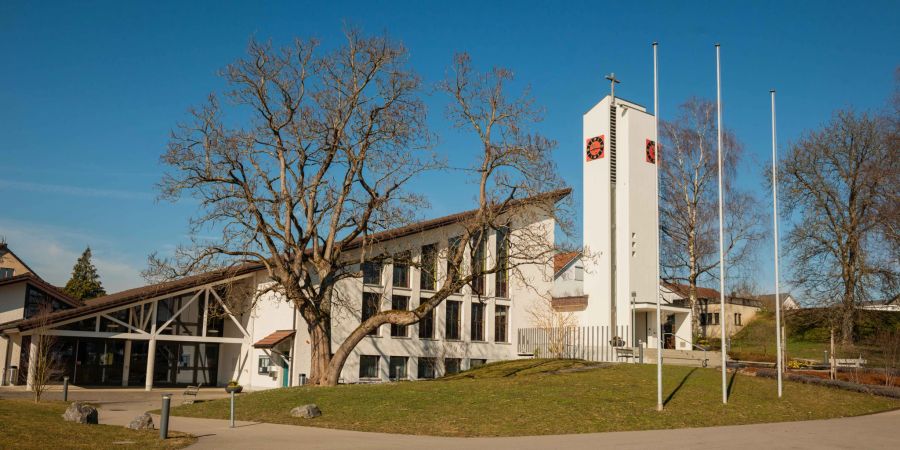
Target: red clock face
x,y
651,152
594,148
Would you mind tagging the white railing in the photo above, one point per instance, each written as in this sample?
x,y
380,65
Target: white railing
x,y
592,343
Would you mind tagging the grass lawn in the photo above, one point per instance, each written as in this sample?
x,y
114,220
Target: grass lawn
x,y
530,397
26,425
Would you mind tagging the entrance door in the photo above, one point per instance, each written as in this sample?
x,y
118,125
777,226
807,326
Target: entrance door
x,y
669,332
285,372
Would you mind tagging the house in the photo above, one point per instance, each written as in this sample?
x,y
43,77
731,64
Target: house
x,y
187,331
738,311
788,302
23,294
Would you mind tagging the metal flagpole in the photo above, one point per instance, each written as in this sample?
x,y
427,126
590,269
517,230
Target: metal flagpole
x,y
659,390
780,362
723,320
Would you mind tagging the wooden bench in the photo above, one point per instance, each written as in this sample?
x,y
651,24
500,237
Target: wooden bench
x,y
624,353
190,394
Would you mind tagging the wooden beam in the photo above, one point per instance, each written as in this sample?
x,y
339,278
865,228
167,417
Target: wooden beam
x,y
228,311
177,313
123,323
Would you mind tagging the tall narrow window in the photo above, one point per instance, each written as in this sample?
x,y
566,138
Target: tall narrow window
x,y
477,321
453,265
428,270
426,326
478,264
452,320
401,271
501,323
370,307
372,273
501,278
399,303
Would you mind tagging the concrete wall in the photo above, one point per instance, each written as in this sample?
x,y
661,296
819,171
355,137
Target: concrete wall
x,y
570,282
714,331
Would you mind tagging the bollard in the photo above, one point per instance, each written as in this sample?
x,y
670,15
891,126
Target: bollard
x,y
232,409
164,416
65,388
641,351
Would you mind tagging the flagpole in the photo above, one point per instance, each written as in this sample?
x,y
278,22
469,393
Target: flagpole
x,y
780,362
721,233
659,400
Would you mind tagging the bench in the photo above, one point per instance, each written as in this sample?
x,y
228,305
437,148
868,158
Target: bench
x,y
624,353
850,362
190,394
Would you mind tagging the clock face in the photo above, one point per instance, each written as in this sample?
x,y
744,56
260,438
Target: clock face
x,y
651,152
594,148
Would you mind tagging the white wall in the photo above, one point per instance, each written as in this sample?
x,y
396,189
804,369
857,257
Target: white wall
x,y
570,282
12,302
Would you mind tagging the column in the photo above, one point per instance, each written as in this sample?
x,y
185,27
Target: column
x,y
151,358
32,356
127,366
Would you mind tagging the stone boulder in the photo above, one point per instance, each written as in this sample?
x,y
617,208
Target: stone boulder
x,y
306,411
142,422
80,413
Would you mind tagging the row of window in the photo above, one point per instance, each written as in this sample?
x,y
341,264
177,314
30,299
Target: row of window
x,y
452,319
372,270
398,367
713,319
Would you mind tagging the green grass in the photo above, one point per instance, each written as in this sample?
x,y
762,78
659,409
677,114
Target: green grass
x,y
532,397
26,425
808,337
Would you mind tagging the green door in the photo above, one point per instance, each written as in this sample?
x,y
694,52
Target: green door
x,y
285,372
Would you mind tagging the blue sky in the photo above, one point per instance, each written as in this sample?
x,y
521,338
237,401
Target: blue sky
x,y
92,89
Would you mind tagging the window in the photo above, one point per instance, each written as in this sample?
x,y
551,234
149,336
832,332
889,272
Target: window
x,y
715,318
452,320
426,368
453,245
703,319
370,307
401,271
5,272
398,368
372,273
368,366
477,321
264,363
477,263
426,326
737,319
452,365
473,363
501,277
428,271
399,303
501,322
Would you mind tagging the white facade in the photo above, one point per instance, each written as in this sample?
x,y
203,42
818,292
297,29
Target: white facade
x,y
621,220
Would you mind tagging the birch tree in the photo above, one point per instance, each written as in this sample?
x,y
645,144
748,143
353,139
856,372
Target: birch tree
x,y
689,202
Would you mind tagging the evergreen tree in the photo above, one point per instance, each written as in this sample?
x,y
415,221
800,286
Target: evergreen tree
x,y
85,282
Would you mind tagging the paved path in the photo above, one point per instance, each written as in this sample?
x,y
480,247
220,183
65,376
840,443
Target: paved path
x,y
870,432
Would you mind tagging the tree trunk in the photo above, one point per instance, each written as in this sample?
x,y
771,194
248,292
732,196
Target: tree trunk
x,y
848,316
320,355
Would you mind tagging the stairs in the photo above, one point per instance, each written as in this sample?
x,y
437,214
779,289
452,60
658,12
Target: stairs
x,y
692,358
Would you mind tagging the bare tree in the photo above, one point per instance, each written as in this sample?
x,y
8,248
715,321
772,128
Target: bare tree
x,y
320,167
689,202
40,361
559,325
840,183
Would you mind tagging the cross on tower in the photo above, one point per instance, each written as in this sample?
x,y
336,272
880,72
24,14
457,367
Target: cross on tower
x,y
612,85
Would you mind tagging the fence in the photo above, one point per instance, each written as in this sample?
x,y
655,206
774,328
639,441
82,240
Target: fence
x,y
592,343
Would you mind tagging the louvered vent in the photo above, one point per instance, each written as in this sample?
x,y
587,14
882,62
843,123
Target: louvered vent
x,y
612,143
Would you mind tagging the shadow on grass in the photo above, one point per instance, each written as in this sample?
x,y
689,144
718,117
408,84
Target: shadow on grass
x,y
678,388
731,384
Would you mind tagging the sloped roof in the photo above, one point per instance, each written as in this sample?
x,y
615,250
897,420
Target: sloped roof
x,y
4,248
34,280
273,339
684,291
561,260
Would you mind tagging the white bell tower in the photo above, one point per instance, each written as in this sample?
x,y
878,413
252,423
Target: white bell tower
x,y
619,217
